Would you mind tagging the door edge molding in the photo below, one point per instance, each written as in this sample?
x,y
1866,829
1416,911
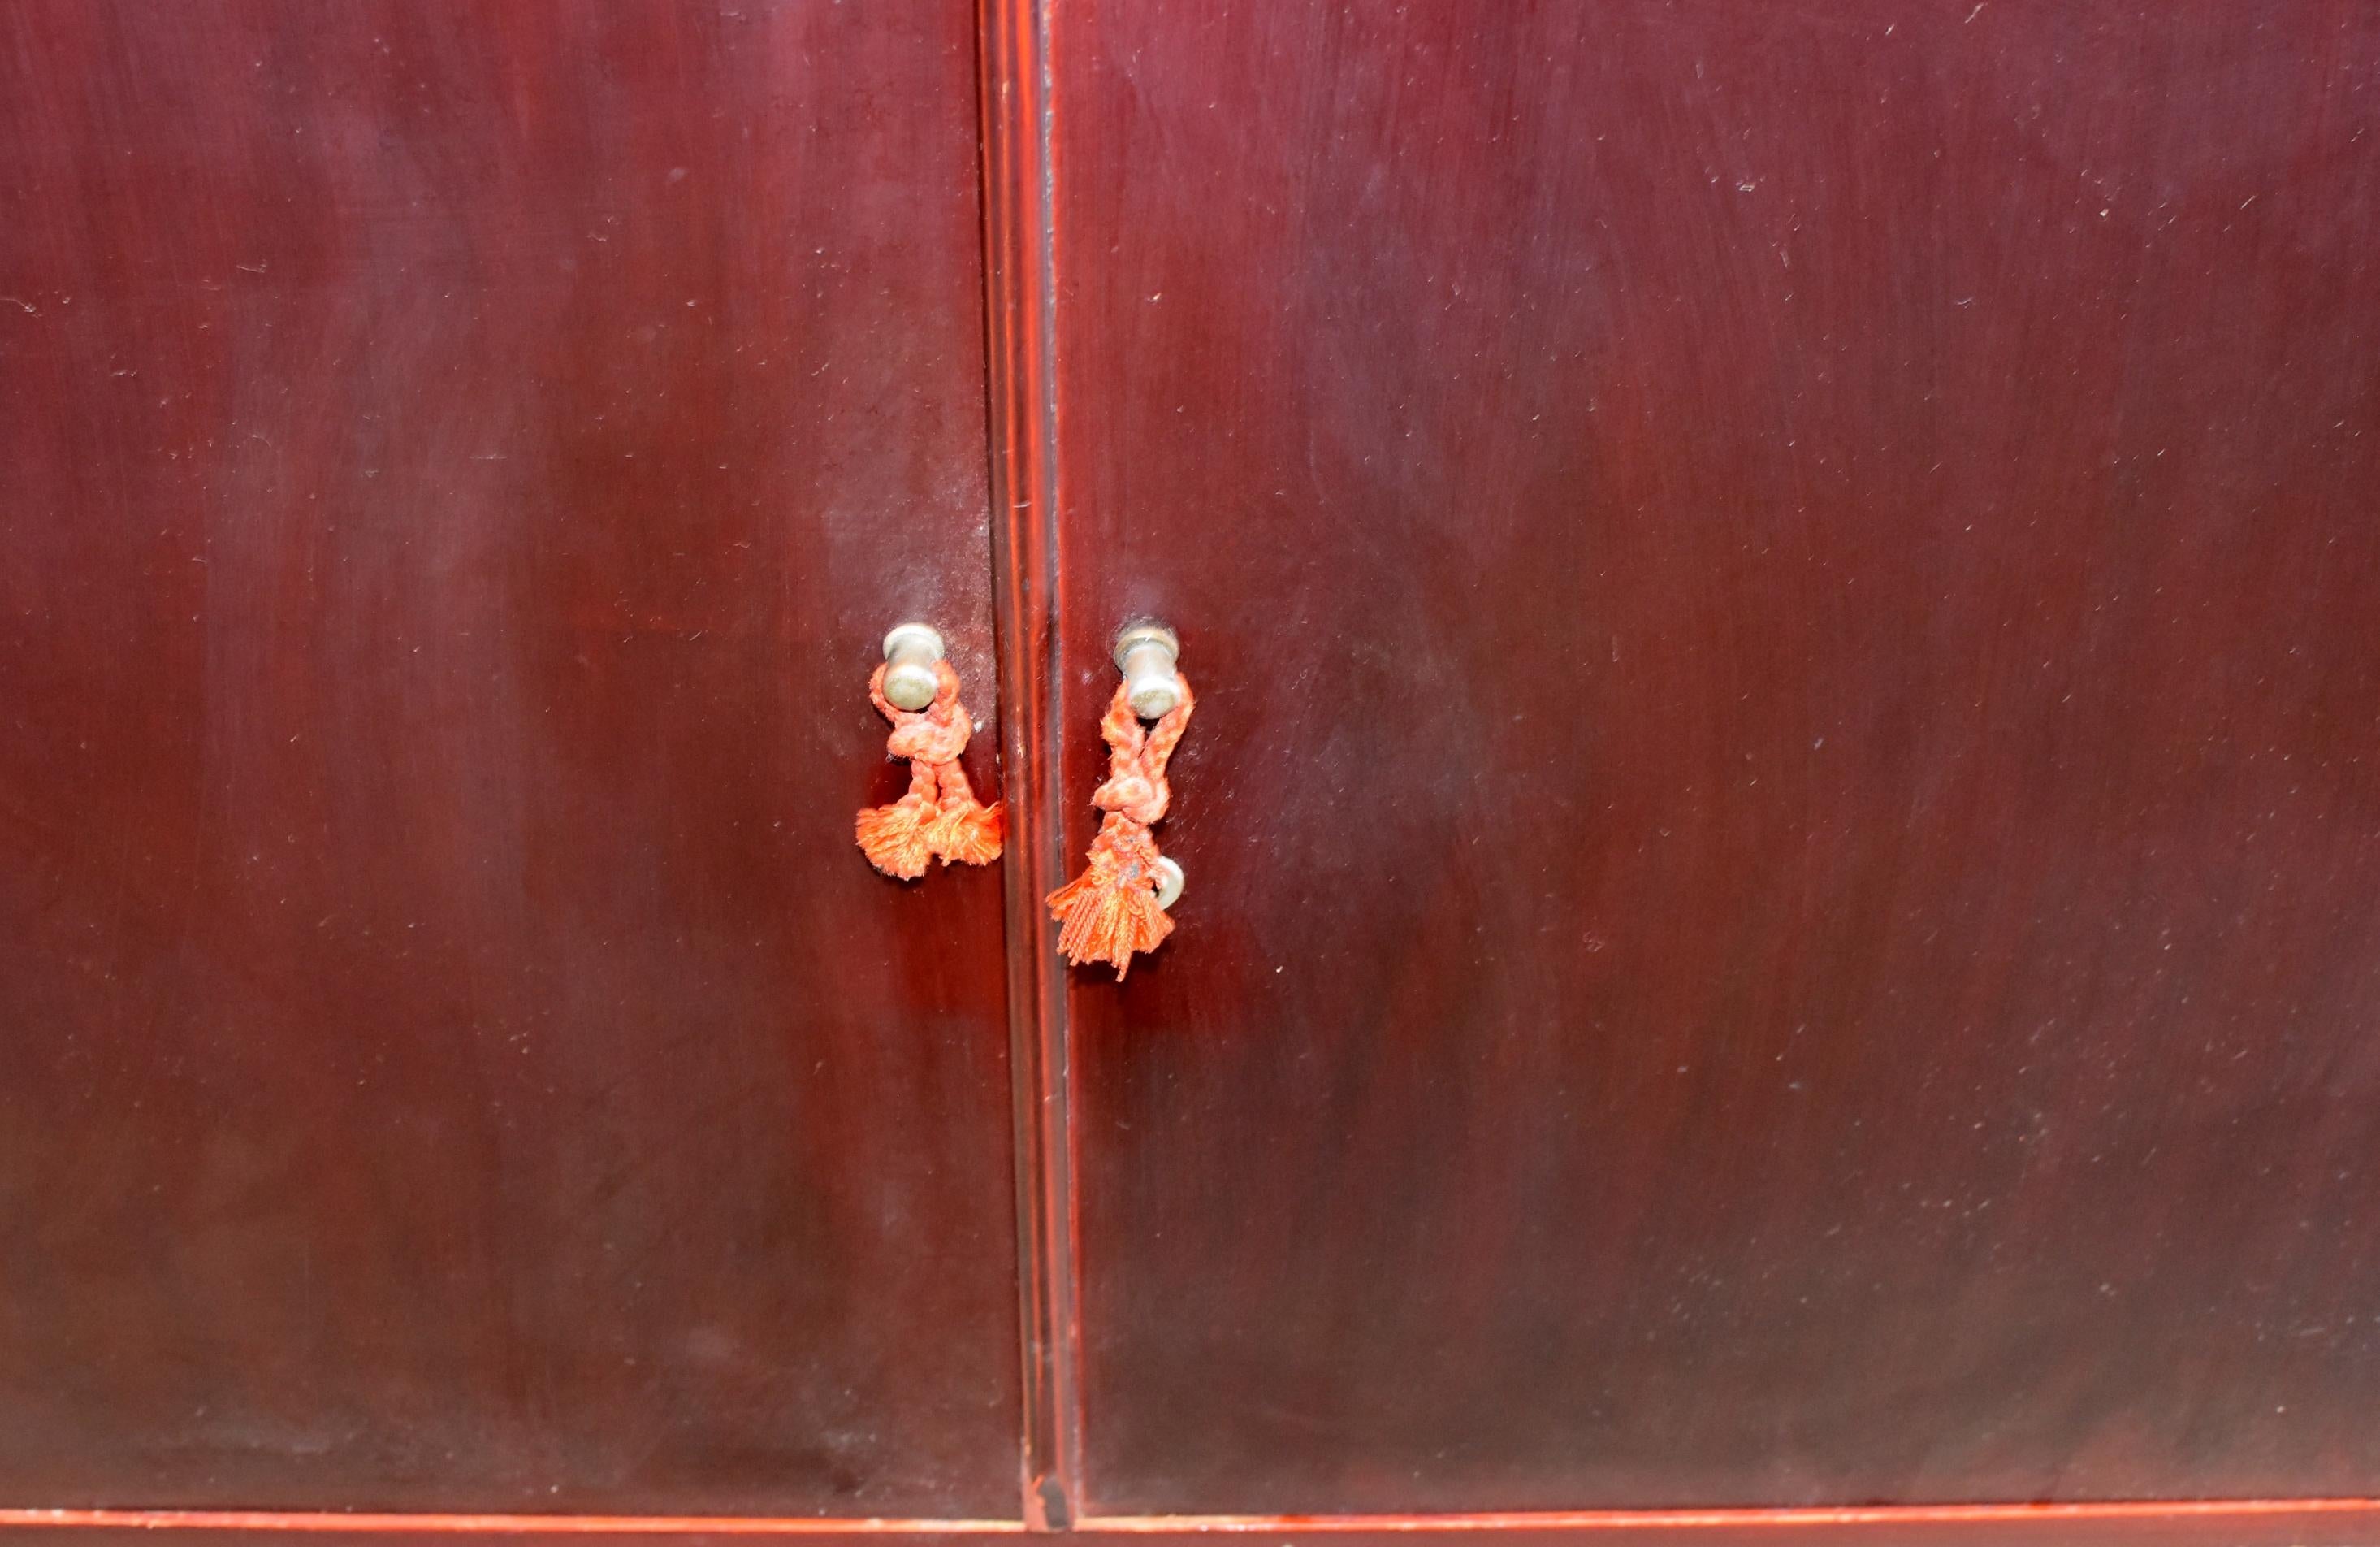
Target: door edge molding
x,y
1021,397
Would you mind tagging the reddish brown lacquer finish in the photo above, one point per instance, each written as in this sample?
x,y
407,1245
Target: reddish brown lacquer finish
x,y
458,463
1783,831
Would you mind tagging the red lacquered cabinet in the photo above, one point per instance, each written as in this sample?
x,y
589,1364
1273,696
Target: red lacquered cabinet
x,y
1781,938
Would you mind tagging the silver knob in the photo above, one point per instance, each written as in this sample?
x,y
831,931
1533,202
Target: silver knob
x,y
1145,653
1168,882
910,652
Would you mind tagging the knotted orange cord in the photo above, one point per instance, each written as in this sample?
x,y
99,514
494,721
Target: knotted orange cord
x,y
940,818
1110,910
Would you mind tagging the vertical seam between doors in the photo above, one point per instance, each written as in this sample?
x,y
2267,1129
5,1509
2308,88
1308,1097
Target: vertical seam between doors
x,y
1020,284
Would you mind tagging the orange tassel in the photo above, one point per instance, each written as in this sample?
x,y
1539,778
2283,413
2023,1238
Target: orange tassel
x,y
895,837
1110,911
962,832
940,818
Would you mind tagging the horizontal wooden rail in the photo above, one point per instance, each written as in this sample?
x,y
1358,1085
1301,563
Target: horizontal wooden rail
x,y
2341,1522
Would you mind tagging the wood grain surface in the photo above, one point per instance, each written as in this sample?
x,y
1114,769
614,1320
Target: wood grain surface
x,y
460,461
1782,832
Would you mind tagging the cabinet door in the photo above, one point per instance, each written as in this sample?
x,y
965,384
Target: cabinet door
x,y
1784,818
460,461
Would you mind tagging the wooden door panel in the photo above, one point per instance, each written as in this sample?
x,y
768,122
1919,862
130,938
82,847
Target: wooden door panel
x,y
459,460
1782,826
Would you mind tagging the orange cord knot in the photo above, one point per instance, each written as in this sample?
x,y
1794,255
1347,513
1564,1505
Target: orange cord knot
x,y
1110,910
940,818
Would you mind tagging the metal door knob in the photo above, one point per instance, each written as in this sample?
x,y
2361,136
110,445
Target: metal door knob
x,y
1145,653
910,652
